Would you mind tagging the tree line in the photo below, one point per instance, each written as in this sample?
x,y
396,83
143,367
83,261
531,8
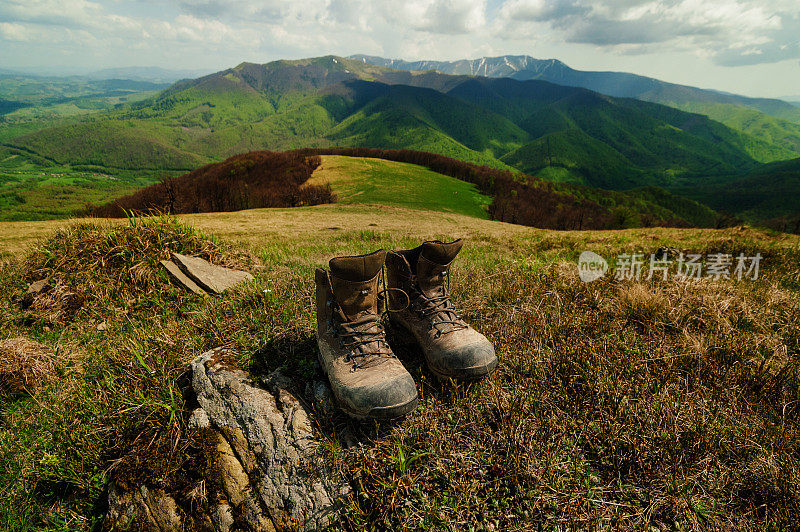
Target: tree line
x,y
246,181
279,179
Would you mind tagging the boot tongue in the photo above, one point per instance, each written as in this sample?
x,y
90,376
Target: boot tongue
x,y
354,281
433,265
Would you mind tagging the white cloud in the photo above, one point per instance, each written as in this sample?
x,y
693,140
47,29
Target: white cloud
x,y
11,31
220,33
720,29
63,13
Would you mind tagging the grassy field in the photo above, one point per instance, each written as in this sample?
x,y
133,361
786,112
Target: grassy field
x,y
32,188
617,404
380,182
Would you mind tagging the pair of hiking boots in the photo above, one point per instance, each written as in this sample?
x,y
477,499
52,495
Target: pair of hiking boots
x,y
367,379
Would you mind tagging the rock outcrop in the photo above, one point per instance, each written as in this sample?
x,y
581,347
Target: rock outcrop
x,y
264,470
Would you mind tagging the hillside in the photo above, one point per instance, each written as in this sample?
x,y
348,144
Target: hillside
x,y
769,120
563,134
526,200
25,97
380,179
769,191
610,398
404,178
334,101
369,181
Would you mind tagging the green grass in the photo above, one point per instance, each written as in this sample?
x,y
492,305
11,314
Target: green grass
x,y
375,181
625,405
36,189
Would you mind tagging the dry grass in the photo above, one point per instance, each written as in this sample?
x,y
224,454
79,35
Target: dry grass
x,y
24,366
624,405
57,305
621,405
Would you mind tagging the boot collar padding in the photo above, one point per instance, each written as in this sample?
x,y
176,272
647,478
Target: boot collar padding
x,y
441,253
357,268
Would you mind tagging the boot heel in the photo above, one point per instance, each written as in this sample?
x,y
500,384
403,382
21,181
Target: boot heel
x,y
401,336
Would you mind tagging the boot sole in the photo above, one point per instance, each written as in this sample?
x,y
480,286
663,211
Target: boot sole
x,y
381,413
406,338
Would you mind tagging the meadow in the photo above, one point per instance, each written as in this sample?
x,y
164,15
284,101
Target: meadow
x,y
625,404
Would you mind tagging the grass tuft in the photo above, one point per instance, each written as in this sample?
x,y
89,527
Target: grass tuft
x,y
25,366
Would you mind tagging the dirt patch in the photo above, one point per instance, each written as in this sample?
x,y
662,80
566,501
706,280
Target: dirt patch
x,y
25,366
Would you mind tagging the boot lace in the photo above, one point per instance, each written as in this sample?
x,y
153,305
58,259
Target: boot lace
x,y
438,310
365,337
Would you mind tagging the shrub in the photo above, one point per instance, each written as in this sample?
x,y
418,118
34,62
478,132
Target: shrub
x,y
246,181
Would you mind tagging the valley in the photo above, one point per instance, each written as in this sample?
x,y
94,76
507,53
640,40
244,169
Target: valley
x,y
558,133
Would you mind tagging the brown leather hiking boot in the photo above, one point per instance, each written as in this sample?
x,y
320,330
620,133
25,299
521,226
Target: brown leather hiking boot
x,y
452,348
366,378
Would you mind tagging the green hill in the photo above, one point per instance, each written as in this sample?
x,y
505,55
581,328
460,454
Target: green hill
x,y
382,182
767,128
573,156
566,134
769,191
362,180
124,144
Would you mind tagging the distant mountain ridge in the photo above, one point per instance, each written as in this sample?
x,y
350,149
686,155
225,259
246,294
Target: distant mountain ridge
x,y
619,84
771,120
150,74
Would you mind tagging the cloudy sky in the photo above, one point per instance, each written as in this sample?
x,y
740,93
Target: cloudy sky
x,y
746,46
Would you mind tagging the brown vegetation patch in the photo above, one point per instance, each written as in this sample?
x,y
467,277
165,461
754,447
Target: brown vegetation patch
x,y
24,366
58,305
245,181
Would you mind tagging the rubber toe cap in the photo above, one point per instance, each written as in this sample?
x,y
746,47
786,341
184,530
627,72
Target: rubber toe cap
x,y
387,400
469,362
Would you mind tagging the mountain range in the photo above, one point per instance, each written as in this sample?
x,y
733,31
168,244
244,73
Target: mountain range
x,y
556,132
150,74
619,84
769,119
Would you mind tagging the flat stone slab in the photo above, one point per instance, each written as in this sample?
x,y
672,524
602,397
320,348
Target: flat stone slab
x,y
210,277
179,278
